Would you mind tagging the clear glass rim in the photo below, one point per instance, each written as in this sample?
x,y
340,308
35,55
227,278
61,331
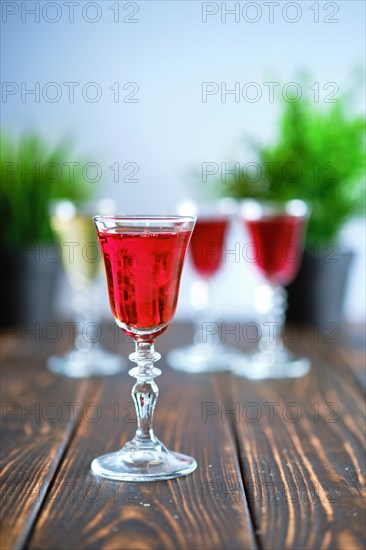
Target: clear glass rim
x,y
207,210
137,218
297,208
69,208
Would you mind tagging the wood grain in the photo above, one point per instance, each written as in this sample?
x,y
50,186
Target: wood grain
x,y
205,510
271,482
303,458
36,429
347,350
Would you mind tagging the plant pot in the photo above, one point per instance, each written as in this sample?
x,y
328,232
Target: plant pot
x,y
28,283
316,296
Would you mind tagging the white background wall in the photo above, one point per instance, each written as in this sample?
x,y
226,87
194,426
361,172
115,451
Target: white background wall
x,y
169,51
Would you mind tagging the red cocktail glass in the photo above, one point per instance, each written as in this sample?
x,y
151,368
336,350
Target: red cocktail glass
x,y
143,259
207,254
276,232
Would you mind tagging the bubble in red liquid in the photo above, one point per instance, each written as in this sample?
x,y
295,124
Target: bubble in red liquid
x,y
143,272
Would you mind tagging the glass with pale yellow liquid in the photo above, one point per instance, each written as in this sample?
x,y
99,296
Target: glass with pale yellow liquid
x,y
81,259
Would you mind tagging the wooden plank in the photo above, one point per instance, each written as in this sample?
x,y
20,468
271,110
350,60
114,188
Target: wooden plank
x,y
302,453
304,479
206,509
346,349
37,425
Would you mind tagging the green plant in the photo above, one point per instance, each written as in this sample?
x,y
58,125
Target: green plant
x,y
319,156
32,175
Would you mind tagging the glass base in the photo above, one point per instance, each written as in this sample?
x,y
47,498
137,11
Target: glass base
x,y
149,461
201,358
82,363
266,364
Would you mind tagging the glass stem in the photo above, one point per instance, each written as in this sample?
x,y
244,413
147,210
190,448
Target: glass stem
x,y
145,392
271,338
200,299
199,327
86,314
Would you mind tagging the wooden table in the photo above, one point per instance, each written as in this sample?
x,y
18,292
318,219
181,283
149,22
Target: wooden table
x,y
281,463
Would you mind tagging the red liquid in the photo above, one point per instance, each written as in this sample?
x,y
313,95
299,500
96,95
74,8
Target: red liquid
x,y
277,246
143,275
206,245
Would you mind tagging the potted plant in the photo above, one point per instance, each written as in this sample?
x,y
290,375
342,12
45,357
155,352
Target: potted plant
x,y
318,156
33,173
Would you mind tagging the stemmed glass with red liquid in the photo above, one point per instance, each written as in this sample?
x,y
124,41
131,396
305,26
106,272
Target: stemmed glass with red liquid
x,y
207,352
143,259
276,232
